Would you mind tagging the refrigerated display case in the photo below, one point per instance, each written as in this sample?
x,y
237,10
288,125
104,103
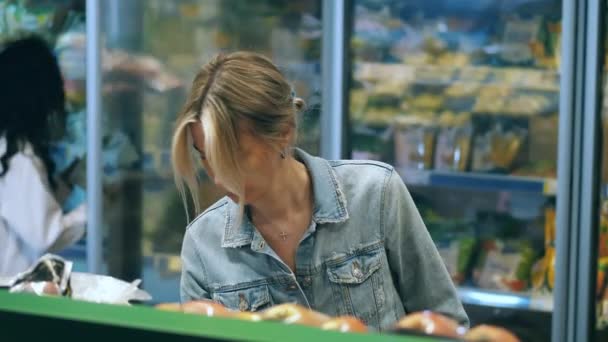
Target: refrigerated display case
x,y
473,102
45,17
463,99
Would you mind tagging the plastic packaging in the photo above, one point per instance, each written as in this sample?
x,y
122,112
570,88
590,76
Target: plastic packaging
x,y
454,143
504,265
414,143
52,275
105,289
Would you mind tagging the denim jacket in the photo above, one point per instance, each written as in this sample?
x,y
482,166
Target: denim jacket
x,y
366,252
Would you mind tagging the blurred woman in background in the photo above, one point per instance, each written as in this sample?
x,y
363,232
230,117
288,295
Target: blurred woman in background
x,y
32,113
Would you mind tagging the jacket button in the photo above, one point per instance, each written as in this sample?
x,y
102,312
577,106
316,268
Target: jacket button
x,y
357,270
292,287
306,282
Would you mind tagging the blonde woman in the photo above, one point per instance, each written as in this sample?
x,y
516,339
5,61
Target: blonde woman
x,y
340,237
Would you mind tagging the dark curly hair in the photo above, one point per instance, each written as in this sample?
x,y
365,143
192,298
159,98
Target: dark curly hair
x,y
32,99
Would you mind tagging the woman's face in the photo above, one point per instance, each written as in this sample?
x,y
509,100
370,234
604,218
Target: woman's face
x,y
261,164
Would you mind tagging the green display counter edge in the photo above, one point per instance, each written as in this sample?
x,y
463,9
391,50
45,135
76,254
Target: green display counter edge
x,y
147,318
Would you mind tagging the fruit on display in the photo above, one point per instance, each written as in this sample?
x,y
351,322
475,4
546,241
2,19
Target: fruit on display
x,y
431,323
294,314
174,307
419,323
198,307
489,333
285,313
206,308
345,324
248,316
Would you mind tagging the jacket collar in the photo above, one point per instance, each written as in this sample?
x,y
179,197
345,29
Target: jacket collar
x,y
329,202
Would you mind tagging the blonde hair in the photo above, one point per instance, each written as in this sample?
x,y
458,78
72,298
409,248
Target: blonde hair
x,y
241,90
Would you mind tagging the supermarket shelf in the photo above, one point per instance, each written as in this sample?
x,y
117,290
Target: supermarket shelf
x,y
533,79
481,182
511,300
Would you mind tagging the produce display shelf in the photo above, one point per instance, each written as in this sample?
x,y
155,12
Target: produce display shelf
x,y
27,316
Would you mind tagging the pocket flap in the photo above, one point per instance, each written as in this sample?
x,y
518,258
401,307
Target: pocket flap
x,y
247,299
355,269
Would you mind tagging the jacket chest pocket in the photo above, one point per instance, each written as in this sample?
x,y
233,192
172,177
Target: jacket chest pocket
x,y
357,286
246,299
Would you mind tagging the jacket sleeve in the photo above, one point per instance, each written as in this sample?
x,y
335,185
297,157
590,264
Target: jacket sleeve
x,y
193,271
418,271
31,211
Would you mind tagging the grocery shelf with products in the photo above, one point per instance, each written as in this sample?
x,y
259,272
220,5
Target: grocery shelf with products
x,y
601,283
463,98
479,181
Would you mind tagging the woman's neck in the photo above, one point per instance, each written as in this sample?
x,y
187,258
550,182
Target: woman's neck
x,y
291,193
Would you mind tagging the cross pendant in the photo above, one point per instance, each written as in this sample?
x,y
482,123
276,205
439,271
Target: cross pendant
x,y
283,236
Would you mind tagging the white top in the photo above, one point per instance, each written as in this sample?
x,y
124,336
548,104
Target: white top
x,y
31,221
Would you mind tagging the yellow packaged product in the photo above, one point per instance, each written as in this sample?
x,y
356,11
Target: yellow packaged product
x,y
505,147
603,234
414,142
427,101
492,99
454,142
454,59
434,74
527,105
462,89
543,271
474,74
